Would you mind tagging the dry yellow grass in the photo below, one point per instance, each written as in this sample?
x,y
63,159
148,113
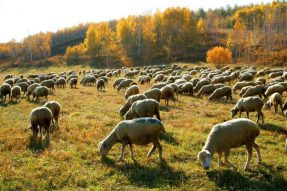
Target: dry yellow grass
x,y
72,161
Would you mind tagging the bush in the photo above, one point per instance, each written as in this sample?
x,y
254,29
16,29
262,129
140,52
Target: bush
x,y
219,56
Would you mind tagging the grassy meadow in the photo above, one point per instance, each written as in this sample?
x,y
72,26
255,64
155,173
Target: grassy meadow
x,y
72,160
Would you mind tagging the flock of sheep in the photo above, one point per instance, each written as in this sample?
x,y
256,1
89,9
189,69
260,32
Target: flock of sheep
x,y
257,89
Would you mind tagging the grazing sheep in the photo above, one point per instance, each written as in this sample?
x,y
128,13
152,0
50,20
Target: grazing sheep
x,y
61,82
124,84
24,86
166,94
240,85
227,135
117,82
221,92
55,108
130,101
249,104
49,84
41,91
73,82
255,90
31,89
141,131
143,108
10,82
274,100
132,90
16,93
41,118
208,89
263,80
153,94
100,85
159,85
187,88
88,80
246,77
273,89
5,90
201,83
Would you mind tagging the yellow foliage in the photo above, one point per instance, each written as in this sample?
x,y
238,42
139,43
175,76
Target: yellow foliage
x,y
200,25
219,56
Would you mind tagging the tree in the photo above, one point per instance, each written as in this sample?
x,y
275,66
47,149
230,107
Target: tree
x,y
219,56
200,25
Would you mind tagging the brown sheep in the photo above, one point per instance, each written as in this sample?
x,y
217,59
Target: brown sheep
x,y
132,90
166,94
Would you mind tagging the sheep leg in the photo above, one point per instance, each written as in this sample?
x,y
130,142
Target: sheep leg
x,y
151,151
122,153
256,147
226,155
132,152
219,159
276,108
239,114
249,150
262,116
157,114
48,135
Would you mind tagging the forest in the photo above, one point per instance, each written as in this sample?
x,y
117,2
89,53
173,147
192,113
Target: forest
x,y
253,33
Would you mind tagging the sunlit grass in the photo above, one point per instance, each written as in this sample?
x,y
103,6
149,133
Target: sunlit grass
x,y
72,161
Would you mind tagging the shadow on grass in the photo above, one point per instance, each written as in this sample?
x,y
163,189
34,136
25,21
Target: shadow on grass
x,y
152,177
273,128
37,147
264,178
169,138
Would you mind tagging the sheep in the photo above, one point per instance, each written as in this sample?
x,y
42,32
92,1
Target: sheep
x,y
55,108
88,80
117,82
175,89
124,84
132,90
221,92
243,90
274,100
208,89
16,93
230,134
48,83
129,103
5,90
24,86
249,104
255,90
166,94
274,88
153,94
61,82
31,89
73,82
41,118
143,108
187,88
263,80
41,91
100,84
10,82
240,85
141,131
201,83
159,85
246,77
217,80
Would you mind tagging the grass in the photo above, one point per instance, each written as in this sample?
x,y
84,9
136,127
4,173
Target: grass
x,y
72,161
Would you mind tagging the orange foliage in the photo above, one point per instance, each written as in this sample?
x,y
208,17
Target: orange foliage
x,y
219,56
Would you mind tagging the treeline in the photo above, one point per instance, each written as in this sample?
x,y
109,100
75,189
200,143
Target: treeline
x,y
254,33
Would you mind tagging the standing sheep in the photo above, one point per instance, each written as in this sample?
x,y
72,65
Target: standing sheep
x,y
153,94
249,104
140,131
166,94
41,91
16,93
143,108
73,82
100,85
221,92
273,89
227,135
31,89
275,100
129,103
5,90
41,118
55,108
49,84
255,90
132,90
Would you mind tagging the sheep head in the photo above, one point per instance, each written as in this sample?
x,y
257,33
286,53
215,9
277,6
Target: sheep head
x,y
128,115
205,158
104,148
234,111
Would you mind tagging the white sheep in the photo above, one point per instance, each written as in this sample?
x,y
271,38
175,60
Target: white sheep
x,y
274,100
227,135
141,131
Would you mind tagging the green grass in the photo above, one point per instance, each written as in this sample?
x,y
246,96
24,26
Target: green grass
x,y
72,161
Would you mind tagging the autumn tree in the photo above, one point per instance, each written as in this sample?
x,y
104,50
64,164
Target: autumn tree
x,y
219,56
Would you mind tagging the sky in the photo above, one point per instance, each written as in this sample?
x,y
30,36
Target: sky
x,y
20,18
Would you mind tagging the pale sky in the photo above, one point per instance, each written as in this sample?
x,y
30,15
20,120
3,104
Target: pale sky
x,y
19,18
